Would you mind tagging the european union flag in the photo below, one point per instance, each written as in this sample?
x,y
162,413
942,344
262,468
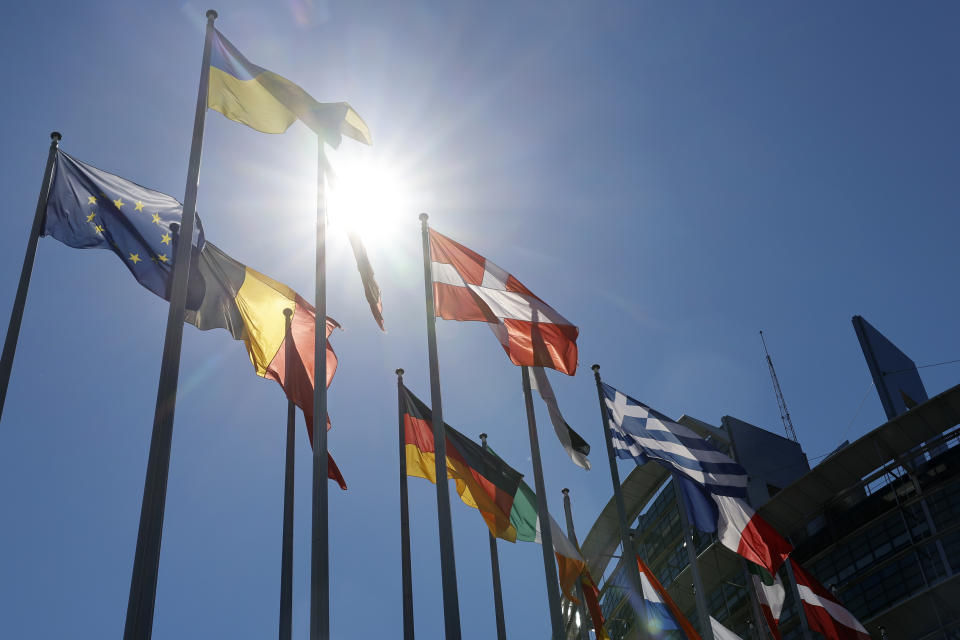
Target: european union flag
x,y
92,209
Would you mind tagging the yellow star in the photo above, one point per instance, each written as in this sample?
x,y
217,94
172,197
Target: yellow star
x,y
156,218
165,238
98,228
138,206
135,257
91,200
119,202
163,257
91,217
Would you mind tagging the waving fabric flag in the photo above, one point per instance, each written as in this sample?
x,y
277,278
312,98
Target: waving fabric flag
x,y
720,632
770,594
824,613
270,103
90,208
468,287
641,433
575,446
661,609
484,481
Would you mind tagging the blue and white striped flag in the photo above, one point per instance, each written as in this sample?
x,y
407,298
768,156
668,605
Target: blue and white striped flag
x,y
642,433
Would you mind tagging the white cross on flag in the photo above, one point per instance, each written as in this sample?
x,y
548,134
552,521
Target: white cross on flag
x,y
468,287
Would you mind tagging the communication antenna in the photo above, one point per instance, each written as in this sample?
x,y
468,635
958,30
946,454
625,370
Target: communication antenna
x,y
781,402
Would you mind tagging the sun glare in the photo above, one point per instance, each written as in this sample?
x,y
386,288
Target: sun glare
x,y
367,197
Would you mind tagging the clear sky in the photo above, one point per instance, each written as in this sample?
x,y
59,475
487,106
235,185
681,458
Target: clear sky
x,y
671,177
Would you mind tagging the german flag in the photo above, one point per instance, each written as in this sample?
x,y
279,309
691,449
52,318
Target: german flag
x,y
227,294
484,482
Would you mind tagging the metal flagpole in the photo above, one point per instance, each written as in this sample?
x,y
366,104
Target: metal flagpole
x,y
146,560
286,555
759,618
572,534
495,569
406,572
633,571
546,536
320,548
20,299
448,568
804,625
706,630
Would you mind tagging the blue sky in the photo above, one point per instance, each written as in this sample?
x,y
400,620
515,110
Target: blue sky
x,y
671,177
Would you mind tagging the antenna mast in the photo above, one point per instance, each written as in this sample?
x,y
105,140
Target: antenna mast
x,y
781,402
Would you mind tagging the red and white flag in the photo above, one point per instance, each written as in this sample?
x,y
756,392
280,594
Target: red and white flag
x,y
743,531
468,287
824,613
770,594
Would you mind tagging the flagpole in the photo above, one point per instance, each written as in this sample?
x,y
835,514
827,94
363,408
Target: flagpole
x,y
406,572
448,569
20,299
804,625
146,560
706,630
546,536
286,554
572,534
629,552
754,604
495,569
320,548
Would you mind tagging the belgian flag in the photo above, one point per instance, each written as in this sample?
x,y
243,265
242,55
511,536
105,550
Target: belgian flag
x,y
484,481
224,293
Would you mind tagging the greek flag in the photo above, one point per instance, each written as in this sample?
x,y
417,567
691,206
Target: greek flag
x,y
642,433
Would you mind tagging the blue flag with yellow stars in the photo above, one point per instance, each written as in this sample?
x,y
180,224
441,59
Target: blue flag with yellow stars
x,y
92,209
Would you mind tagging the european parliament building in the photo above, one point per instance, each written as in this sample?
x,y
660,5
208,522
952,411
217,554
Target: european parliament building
x,y
877,522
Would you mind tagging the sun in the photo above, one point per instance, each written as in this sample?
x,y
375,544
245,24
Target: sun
x,y
367,195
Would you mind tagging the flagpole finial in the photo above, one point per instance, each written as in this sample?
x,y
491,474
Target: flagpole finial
x,y
565,491
211,14
483,437
288,312
55,136
595,368
399,372
423,217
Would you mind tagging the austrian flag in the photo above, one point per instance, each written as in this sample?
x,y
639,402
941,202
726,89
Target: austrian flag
x,y
468,287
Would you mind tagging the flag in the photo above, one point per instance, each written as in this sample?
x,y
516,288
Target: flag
x,y
483,481
720,632
468,287
575,446
591,594
370,287
570,564
641,433
824,613
770,595
662,612
269,103
90,208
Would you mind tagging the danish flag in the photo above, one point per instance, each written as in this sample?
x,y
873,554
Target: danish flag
x,y
468,287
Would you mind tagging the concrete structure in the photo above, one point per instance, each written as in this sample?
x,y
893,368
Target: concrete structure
x,y
875,522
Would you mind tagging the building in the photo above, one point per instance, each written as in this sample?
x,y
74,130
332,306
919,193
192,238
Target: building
x,y
877,521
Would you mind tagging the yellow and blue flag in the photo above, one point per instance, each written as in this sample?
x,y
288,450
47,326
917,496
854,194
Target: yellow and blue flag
x,y
92,209
270,103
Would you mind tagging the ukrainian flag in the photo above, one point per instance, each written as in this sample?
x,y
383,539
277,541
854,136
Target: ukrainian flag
x,y
264,101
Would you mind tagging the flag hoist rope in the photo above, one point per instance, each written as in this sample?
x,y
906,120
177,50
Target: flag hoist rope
x,y
146,560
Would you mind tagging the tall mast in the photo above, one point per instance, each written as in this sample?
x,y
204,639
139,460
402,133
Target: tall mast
x,y
781,402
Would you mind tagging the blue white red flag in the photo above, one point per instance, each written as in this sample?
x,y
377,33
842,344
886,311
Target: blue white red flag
x,y
641,434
